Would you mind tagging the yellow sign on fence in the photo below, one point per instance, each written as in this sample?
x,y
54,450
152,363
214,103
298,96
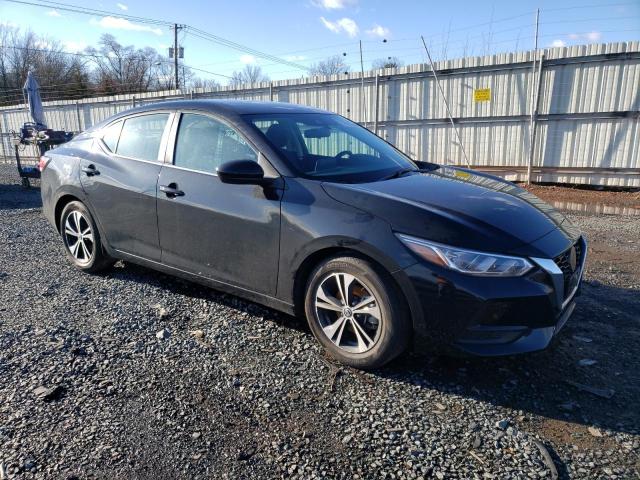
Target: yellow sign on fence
x,y
482,95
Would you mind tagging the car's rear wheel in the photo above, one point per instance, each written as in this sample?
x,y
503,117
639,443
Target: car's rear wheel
x,y
81,238
356,312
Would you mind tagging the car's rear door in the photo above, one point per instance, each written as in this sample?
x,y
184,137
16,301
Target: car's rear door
x,y
121,179
229,233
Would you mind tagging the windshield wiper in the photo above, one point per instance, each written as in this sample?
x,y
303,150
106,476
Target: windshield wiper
x,y
400,173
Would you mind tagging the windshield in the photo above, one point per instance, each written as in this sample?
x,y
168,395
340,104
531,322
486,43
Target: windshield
x,y
330,147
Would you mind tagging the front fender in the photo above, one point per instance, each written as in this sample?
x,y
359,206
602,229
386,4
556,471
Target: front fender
x,y
312,222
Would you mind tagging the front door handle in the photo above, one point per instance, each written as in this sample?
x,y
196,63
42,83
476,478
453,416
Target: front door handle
x,y
171,190
90,170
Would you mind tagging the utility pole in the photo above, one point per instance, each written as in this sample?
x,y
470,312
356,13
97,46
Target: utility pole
x,y
533,99
362,98
175,55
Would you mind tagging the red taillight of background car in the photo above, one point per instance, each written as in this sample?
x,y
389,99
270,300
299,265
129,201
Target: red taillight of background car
x,y
43,162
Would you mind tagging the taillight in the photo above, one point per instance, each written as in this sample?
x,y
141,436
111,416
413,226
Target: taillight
x,y
43,162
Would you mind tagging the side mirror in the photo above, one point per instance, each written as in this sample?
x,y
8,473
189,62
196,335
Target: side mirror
x,y
241,172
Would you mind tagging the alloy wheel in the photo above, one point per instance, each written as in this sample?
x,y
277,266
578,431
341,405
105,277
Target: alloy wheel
x,y
348,312
78,237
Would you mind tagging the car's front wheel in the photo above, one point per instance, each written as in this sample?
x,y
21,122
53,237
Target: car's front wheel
x,y
355,311
81,238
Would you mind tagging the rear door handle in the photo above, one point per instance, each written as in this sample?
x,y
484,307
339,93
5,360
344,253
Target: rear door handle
x,y
90,170
171,190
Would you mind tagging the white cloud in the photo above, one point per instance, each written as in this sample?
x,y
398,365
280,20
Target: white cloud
x,y
379,31
330,25
346,25
115,23
122,6
593,36
53,13
333,4
73,46
558,43
295,58
247,59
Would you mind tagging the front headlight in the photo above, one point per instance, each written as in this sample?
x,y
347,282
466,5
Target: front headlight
x,y
467,261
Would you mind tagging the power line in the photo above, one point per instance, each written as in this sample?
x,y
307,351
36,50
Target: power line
x,y
207,71
55,52
228,43
582,7
376,55
89,11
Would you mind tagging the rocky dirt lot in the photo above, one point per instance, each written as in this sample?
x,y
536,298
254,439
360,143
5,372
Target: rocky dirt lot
x,y
589,199
134,374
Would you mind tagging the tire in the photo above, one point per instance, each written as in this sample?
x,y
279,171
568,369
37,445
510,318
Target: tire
x,y
84,251
366,339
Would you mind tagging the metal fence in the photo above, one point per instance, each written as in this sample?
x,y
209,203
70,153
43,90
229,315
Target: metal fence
x,y
587,111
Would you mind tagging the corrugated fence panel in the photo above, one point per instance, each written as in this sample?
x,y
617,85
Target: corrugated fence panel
x,y
606,143
600,87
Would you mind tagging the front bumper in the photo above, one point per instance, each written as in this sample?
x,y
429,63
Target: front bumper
x,y
513,340
493,316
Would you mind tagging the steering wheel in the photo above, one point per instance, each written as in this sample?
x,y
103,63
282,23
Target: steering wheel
x,y
342,154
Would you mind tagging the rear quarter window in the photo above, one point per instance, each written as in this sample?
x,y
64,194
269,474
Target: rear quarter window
x,y
111,135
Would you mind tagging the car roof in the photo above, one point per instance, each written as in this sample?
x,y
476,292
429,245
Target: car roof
x,y
229,107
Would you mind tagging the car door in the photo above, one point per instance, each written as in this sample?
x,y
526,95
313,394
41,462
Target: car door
x,y
229,233
120,180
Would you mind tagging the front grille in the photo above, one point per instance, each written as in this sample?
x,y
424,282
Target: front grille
x,y
565,264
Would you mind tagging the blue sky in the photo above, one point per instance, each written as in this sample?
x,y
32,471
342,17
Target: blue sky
x,y
306,31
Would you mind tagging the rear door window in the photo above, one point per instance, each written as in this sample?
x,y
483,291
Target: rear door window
x,y
141,136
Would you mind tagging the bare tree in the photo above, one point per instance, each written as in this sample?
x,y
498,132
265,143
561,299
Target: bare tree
x,y
389,62
331,66
162,75
205,83
107,69
120,69
61,75
250,74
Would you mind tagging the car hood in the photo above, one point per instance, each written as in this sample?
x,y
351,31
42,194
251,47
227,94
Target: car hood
x,y
464,208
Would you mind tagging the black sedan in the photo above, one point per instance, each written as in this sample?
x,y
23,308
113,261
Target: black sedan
x,y
307,212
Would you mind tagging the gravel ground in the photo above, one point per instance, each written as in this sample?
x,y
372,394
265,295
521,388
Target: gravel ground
x,y
134,374
587,194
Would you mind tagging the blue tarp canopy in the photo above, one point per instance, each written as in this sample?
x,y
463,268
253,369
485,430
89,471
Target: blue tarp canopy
x,y
31,92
